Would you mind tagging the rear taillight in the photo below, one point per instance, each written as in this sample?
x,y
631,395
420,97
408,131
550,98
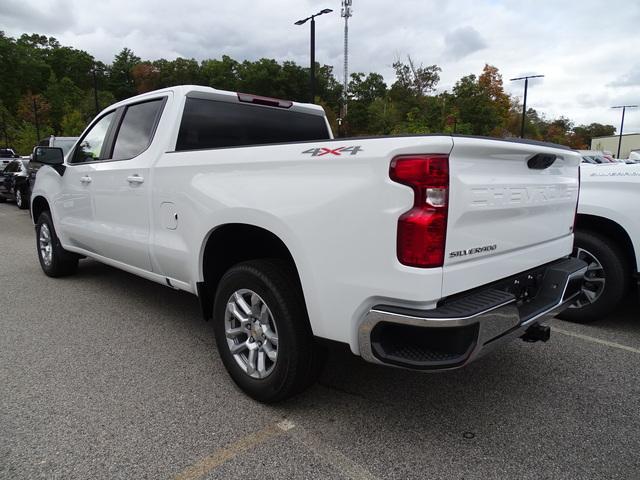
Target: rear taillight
x,y
422,230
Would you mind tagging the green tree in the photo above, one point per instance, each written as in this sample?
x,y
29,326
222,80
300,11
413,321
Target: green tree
x,y
221,74
120,79
73,124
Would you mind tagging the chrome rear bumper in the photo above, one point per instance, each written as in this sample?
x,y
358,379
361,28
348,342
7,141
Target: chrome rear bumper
x,y
465,328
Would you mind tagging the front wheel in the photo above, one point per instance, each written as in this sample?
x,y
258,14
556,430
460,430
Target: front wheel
x,y
262,330
606,281
54,260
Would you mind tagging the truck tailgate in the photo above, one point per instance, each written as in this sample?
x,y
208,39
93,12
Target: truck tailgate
x,y
511,208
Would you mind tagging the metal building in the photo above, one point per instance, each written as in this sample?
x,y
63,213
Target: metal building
x,y
630,141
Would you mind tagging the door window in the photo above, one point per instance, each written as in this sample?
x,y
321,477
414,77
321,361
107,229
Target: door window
x,y
136,130
90,147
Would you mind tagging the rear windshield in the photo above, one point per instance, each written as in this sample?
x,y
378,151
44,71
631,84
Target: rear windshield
x,y
214,124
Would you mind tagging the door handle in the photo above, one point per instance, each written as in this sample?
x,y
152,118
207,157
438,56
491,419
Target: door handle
x,y
85,179
135,179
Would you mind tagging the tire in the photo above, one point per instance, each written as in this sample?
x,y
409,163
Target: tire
x,y
274,316
54,260
2,199
606,282
21,199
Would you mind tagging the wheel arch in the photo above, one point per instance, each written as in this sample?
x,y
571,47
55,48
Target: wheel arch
x,y
611,229
39,204
232,243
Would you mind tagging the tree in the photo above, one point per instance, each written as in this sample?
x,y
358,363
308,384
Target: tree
x,y
490,83
63,97
146,77
221,74
32,105
120,78
73,124
419,80
588,132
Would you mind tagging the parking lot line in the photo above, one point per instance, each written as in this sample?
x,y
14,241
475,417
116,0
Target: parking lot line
x,y
223,455
596,340
343,464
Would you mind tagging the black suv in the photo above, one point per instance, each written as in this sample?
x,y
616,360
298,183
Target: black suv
x,y
14,183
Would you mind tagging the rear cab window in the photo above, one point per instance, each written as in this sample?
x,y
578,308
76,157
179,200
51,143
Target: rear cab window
x,y
217,124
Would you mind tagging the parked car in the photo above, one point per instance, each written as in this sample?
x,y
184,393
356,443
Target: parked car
x,y
6,156
422,252
607,238
596,156
13,183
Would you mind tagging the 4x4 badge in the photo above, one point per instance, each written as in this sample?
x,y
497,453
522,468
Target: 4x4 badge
x,y
319,152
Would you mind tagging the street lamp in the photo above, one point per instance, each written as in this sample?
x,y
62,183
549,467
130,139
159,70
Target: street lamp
x,y
524,103
624,108
313,47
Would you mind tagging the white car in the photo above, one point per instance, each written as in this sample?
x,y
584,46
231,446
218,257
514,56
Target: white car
x,y
607,238
422,252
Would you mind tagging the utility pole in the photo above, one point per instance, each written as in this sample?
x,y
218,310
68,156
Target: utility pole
x,y
624,109
4,129
35,117
312,74
346,13
95,89
524,103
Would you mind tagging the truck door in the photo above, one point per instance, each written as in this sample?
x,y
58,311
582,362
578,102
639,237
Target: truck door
x,y
73,207
120,187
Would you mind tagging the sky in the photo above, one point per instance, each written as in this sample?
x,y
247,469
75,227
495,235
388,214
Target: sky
x,y
589,51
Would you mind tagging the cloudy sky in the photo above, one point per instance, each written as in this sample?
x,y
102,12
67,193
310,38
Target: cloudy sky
x,y
589,50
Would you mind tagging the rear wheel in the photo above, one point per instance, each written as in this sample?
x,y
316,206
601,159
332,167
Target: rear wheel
x,y
262,330
54,260
21,199
606,281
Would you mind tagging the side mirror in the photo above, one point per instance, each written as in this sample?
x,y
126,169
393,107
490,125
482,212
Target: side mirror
x,y
48,155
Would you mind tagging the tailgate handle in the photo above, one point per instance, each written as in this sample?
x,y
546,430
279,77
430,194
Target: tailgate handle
x,y
541,161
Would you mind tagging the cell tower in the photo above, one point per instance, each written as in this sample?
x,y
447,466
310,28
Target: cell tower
x,y
346,12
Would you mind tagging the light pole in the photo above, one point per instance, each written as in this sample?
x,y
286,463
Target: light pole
x,y
624,108
524,103
313,48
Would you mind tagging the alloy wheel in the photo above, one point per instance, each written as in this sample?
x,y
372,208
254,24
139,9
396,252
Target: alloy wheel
x,y
251,333
45,246
594,279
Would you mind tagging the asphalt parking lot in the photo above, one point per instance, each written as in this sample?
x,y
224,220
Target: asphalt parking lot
x,y
107,375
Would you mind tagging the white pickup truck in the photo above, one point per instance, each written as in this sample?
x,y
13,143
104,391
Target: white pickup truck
x,y
422,252
607,238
